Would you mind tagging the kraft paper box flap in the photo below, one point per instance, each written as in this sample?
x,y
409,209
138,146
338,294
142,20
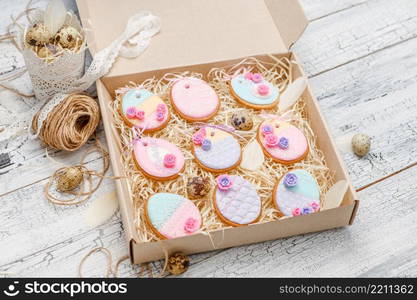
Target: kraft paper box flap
x,y
195,31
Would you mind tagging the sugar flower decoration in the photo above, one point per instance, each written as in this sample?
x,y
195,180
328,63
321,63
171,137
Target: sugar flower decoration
x,y
263,89
315,206
257,77
160,116
140,114
169,160
224,182
248,76
131,112
283,143
198,138
206,145
271,140
296,212
190,225
307,210
267,129
161,108
290,180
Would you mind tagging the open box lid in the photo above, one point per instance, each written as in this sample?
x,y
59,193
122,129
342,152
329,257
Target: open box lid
x,y
195,31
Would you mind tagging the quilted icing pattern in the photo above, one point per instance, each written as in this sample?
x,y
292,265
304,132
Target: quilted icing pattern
x,y
222,155
240,204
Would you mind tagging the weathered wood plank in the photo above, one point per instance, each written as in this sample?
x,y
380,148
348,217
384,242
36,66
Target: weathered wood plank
x,y
356,32
315,9
378,244
375,95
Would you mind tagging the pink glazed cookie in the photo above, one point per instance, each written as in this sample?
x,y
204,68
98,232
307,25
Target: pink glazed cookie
x,y
158,158
281,141
236,201
143,109
171,215
194,100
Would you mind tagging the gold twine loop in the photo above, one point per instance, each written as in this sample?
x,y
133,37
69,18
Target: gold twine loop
x,y
70,124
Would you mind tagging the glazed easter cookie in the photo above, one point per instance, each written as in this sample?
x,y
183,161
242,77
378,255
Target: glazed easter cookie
x,y
236,201
216,150
194,100
254,91
297,193
283,142
158,158
141,108
171,215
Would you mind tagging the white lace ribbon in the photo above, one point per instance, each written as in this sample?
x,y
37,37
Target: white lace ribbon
x,y
133,41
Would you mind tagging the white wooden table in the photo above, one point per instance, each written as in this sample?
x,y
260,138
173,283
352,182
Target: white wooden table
x,y
361,59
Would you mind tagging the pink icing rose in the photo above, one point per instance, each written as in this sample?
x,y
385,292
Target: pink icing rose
x,y
131,112
199,136
190,225
161,108
224,182
296,212
315,206
257,77
169,160
248,76
271,140
140,114
202,131
263,89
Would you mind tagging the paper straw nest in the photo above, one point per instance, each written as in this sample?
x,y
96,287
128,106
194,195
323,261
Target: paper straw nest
x,y
179,132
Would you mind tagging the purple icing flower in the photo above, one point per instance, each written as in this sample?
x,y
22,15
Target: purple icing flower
x,y
257,77
283,143
307,210
290,180
160,116
206,145
224,182
131,112
267,129
161,108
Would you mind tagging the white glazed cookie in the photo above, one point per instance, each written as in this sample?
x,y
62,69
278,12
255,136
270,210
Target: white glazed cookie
x,y
236,201
297,193
216,150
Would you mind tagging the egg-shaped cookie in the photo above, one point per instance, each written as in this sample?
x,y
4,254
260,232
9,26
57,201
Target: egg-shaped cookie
x,y
143,109
297,193
282,141
252,90
236,200
216,150
171,215
157,158
194,100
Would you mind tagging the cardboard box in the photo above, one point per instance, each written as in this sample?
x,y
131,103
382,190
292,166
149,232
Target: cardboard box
x,y
198,35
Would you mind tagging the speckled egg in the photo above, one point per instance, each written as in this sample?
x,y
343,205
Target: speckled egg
x,y
241,121
361,143
37,35
198,187
67,37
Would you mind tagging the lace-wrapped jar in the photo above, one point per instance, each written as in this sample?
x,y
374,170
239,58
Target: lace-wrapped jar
x,y
56,75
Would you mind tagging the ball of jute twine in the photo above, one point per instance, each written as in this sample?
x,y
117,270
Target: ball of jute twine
x,y
70,124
